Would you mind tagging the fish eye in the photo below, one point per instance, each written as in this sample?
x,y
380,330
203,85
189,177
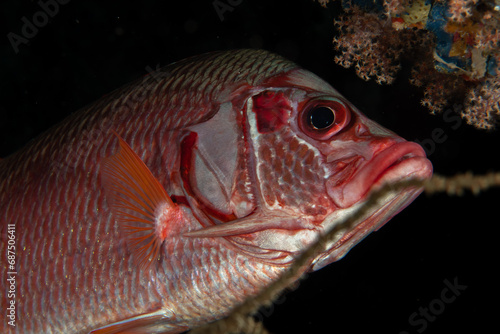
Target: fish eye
x,y
321,117
324,117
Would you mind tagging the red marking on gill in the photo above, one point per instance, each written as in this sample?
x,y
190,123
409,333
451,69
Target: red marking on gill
x,y
180,200
271,111
187,146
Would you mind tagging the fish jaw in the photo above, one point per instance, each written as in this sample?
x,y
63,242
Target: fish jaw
x,y
390,205
390,159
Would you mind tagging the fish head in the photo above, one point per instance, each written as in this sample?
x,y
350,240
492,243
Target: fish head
x,y
317,158
284,161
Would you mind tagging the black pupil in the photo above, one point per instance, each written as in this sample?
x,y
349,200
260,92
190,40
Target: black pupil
x,y
322,117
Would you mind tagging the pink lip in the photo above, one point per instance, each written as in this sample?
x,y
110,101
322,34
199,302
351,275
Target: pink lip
x,y
396,162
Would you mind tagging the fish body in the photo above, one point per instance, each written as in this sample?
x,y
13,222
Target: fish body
x,y
168,202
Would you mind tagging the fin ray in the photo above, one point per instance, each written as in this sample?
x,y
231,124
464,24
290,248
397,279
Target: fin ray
x,y
136,198
253,223
154,322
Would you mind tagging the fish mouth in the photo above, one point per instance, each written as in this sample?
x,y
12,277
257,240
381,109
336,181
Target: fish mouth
x,y
397,162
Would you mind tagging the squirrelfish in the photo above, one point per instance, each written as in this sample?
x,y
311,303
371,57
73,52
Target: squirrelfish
x,y
168,202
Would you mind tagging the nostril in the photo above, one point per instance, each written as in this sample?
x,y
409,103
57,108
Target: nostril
x,y
361,130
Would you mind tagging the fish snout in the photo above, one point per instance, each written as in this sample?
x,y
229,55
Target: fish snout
x,y
378,162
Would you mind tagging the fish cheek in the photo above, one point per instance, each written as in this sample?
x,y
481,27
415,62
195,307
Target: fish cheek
x,y
290,173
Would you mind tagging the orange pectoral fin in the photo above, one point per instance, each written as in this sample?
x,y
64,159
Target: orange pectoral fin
x,y
139,203
142,324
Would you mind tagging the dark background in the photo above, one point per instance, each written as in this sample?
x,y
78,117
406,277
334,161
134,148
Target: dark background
x,y
90,48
